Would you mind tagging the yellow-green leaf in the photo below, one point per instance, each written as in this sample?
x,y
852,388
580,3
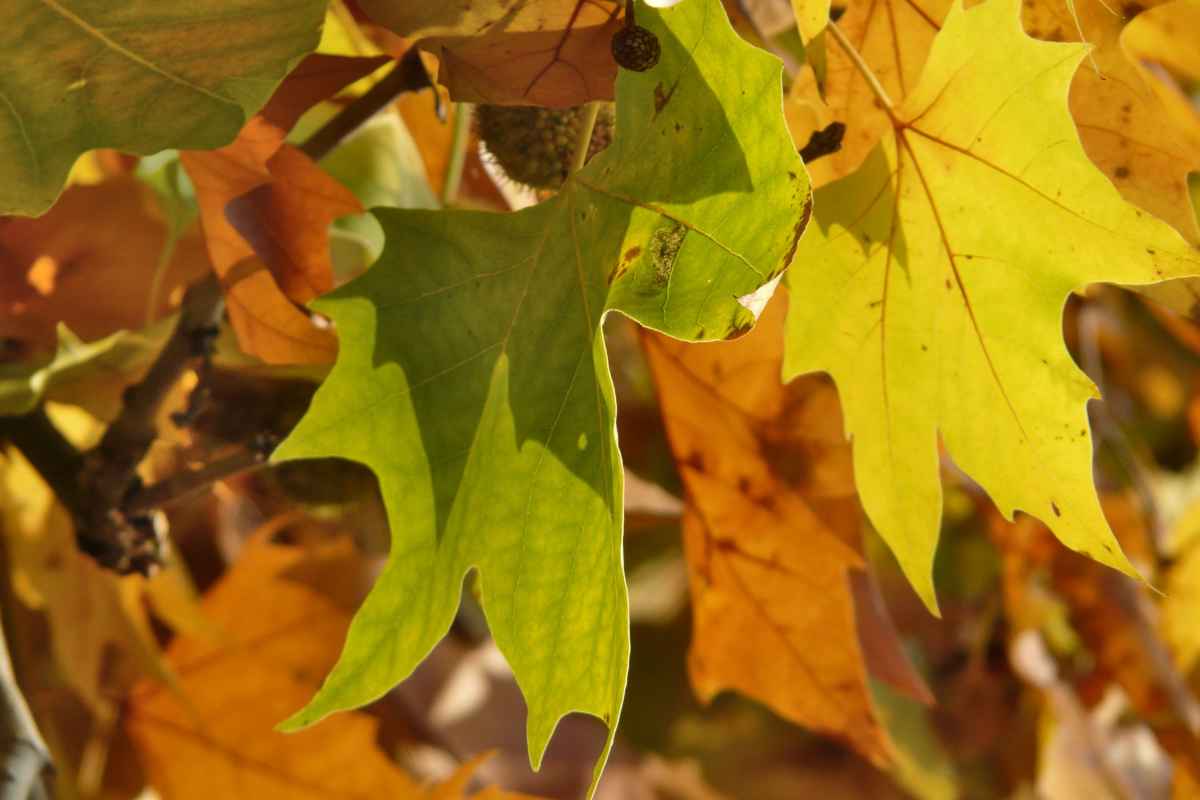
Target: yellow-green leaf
x,y
933,286
139,76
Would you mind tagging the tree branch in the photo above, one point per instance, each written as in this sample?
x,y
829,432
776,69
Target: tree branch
x,y
104,530
408,75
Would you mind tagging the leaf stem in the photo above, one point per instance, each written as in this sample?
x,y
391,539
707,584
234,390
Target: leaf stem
x,y
460,136
863,68
407,75
579,156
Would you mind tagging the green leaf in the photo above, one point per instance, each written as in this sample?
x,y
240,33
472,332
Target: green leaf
x,y
938,278
138,76
472,375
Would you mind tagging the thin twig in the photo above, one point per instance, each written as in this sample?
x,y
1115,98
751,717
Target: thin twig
x,y
863,68
177,487
458,152
108,471
408,75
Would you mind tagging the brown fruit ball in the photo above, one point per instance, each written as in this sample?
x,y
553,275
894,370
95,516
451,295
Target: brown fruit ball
x,y
635,48
534,145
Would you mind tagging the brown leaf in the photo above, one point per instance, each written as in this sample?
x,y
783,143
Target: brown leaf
x,y
295,194
90,262
282,612
771,533
286,222
528,52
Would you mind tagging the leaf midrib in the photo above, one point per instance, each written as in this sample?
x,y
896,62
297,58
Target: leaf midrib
x,y
99,35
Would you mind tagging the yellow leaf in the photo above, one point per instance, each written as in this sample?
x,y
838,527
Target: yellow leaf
x,y
893,37
932,291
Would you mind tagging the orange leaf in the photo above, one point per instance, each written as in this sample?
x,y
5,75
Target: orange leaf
x,y
771,535
267,324
286,222
893,37
1144,135
528,52
282,612
90,262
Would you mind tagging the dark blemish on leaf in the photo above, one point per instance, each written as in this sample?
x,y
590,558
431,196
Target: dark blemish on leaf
x,y
1054,508
948,284
798,231
1121,172
739,329
700,333
793,175
694,460
664,248
924,348
875,304
1131,10
1126,108
1152,252
661,98
1055,35
835,12
767,502
631,254
678,127
1083,432
743,484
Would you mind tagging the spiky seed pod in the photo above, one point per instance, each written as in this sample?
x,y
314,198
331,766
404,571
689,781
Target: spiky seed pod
x,y
534,145
635,48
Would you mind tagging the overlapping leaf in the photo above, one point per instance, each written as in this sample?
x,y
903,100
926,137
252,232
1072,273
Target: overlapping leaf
x,y
944,265
91,262
472,378
139,76
1124,114
771,536
281,224
893,39
528,52
212,737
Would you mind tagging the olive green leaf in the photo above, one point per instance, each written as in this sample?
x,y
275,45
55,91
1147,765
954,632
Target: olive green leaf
x,y
472,375
933,285
139,76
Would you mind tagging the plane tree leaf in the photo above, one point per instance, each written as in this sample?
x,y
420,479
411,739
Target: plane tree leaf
x,y
932,291
211,736
1126,117
893,37
472,377
252,241
140,76
528,52
772,536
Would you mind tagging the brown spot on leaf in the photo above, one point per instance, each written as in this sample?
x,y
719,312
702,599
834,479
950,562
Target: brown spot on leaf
x,y
631,254
1054,508
1121,172
662,96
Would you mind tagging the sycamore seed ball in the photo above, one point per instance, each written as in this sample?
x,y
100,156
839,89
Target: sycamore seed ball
x,y
534,145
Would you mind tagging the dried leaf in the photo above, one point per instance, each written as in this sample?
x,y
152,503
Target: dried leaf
x,y
221,741
527,52
295,193
770,532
